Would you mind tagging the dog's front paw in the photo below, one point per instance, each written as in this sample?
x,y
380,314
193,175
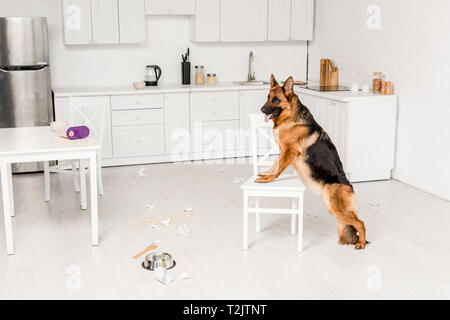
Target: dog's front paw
x,y
360,245
262,174
265,179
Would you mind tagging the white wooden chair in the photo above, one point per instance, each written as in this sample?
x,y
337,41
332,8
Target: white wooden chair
x,y
286,186
82,112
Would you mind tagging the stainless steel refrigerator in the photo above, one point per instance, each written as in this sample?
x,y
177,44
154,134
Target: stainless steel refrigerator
x,y
25,84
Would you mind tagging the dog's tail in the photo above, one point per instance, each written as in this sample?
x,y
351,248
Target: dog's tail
x,y
351,235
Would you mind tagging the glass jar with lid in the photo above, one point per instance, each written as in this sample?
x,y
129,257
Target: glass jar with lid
x,y
199,75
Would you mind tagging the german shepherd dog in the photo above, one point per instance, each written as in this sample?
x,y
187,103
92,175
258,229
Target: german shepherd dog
x,y
305,145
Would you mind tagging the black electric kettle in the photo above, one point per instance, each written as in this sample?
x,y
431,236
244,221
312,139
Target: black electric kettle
x,y
152,75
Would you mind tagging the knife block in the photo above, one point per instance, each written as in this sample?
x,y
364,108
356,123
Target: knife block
x,y
324,72
334,78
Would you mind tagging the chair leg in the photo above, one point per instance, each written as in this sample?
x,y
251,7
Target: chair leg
x,y
300,223
83,186
293,217
258,217
99,175
47,181
245,222
76,184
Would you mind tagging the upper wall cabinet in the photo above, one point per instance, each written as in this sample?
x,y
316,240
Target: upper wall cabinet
x,y
243,20
170,7
279,24
103,21
290,20
132,21
205,25
302,19
77,21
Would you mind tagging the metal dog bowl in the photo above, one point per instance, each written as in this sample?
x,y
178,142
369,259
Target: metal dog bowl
x,y
157,260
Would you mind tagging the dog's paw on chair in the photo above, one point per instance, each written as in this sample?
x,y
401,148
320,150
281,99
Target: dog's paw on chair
x,y
265,179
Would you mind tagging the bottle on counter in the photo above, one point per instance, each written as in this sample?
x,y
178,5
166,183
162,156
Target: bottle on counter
x,y
377,82
199,75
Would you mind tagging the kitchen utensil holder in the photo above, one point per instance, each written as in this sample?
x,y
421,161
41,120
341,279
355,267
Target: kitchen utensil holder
x,y
185,72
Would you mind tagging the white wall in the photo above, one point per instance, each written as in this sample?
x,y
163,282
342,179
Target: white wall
x,y
413,49
167,39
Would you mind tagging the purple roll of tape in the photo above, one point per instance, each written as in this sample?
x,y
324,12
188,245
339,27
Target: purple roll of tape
x,y
74,133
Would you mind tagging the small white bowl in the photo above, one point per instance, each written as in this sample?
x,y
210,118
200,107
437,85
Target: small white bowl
x,y
139,85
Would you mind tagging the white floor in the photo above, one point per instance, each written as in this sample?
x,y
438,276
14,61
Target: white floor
x,y
408,256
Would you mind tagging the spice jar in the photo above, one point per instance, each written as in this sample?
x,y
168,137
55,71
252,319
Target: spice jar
x,y
211,78
199,75
377,82
388,88
383,87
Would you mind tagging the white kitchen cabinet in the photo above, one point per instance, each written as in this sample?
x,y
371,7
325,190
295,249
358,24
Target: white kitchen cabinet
x,y
363,131
243,20
214,139
170,7
251,102
105,21
214,124
138,141
279,20
205,25
302,20
131,21
62,113
77,22
177,125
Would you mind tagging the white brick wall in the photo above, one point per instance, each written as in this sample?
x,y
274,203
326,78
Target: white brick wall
x,y
412,47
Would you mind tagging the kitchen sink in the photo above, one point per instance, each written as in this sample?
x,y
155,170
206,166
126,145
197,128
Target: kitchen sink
x,y
252,83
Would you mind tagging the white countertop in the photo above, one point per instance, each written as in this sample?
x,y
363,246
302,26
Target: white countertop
x,y
343,96
171,88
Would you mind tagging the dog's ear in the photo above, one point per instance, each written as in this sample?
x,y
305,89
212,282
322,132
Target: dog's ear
x,y
288,88
273,81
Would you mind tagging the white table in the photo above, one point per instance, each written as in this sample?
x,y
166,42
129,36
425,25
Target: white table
x,y
36,144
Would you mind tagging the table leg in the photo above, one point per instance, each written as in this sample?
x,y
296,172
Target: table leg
x,y
94,204
11,198
7,196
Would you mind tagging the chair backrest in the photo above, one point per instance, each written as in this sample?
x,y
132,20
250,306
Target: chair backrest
x,y
88,112
262,153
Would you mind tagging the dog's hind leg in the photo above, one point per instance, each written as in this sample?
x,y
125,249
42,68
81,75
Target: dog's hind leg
x,y
341,202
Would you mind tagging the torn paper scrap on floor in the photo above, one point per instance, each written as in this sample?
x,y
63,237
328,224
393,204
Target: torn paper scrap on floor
x,y
141,173
163,276
149,207
220,170
183,230
237,180
165,222
188,210
313,214
185,276
374,204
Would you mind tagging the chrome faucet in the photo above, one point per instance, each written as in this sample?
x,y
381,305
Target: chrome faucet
x,y
251,74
